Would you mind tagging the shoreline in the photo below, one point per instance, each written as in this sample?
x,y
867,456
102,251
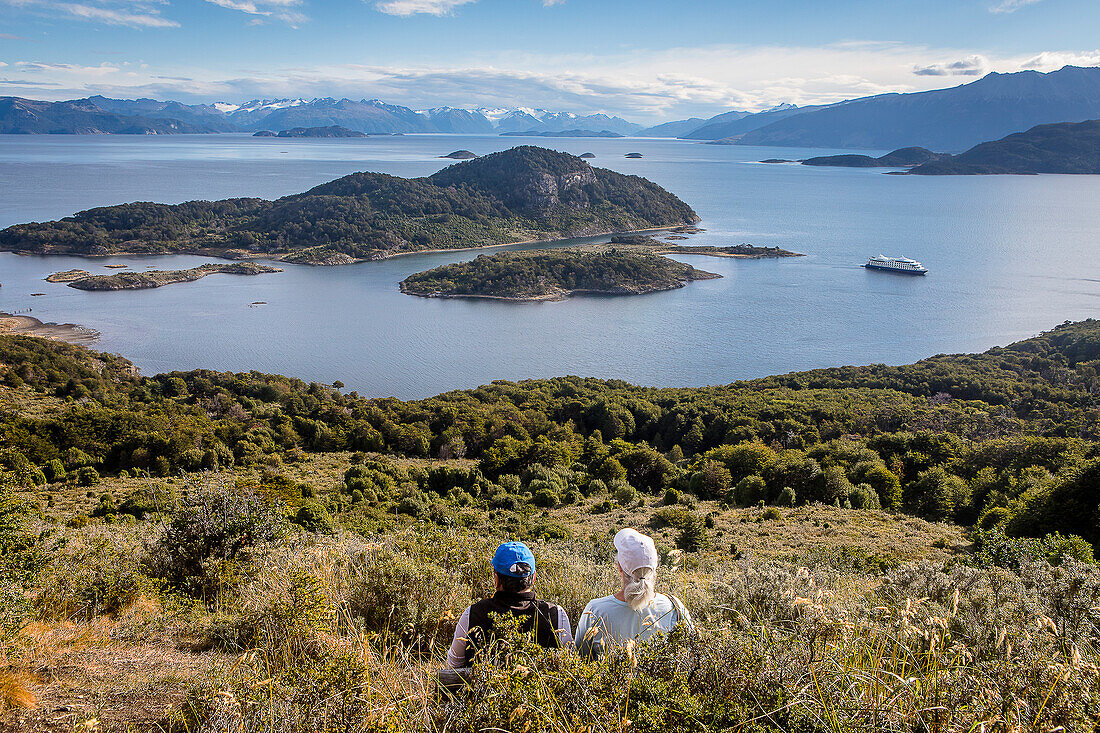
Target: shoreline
x,y
222,254
21,325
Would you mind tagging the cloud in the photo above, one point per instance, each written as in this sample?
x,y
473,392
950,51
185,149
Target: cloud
x,y
277,9
415,7
130,13
1011,6
640,85
11,37
1054,60
25,83
973,65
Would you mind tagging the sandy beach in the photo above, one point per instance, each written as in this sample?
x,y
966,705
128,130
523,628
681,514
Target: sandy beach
x,y
30,326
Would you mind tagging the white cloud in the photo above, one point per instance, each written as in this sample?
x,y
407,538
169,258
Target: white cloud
x,y
277,9
131,13
1011,6
414,7
672,83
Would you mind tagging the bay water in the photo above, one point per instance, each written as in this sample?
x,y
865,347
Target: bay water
x,y
1008,256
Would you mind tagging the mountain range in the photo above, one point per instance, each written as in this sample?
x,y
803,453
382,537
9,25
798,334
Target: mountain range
x,y
952,119
149,116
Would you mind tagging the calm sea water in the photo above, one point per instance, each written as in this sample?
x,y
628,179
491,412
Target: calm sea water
x,y
1009,256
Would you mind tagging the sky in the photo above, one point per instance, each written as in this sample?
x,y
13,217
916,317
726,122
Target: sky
x,y
645,60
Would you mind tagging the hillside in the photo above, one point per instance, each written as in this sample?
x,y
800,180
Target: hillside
x,y
553,275
515,195
944,119
1062,148
882,546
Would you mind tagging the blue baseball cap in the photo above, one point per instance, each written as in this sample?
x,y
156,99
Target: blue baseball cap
x,y
514,559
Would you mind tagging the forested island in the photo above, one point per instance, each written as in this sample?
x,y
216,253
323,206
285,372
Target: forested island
x,y
563,133
1066,147
159,278
325,131
553,275
525,193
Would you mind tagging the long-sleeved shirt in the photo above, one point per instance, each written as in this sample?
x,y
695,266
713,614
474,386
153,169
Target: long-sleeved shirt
x,y
456,654
607,621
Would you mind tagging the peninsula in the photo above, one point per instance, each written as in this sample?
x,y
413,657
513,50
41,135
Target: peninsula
x,y
1065,147
901,158
159,278
553,275
522,194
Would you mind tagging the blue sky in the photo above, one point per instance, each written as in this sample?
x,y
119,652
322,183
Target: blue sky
x,y
647,60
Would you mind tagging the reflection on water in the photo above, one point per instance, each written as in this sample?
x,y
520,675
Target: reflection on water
x,y
1009,256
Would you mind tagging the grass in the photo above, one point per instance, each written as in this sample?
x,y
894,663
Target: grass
x,y
812,618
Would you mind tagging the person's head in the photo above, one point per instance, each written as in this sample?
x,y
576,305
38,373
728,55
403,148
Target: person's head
x,y
637,561
514,567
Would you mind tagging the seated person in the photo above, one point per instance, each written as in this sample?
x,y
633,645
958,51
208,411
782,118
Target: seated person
x,y
514,576
636,611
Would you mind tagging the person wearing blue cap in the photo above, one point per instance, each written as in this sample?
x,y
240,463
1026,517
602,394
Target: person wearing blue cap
x,y
514,577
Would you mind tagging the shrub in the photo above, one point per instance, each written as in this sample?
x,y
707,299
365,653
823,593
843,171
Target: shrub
x,y
693,536
86,476
786,497
209,540
546,498
670,516
624,493
313,517
749,490
55,470
993,517
772,514
992,547
672,496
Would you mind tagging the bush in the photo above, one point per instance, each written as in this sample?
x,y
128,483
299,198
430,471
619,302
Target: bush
x,y
546,498
624,493
992,547
313,517
670,516
786,497
209,540
693,536
749,490
672,496
86,476
771,514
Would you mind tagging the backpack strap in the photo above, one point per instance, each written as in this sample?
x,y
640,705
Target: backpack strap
x,y
683,617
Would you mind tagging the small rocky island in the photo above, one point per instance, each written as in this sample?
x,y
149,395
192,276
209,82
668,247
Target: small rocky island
x,y
553,275
68,276
649,245
460,155
160,278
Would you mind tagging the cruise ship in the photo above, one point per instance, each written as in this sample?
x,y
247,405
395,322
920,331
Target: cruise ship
x,y
896,264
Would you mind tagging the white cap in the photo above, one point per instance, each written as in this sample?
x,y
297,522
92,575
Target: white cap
x,y
636,550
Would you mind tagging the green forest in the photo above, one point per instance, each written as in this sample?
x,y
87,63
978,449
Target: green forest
x,y
514,195
553,274
1006,439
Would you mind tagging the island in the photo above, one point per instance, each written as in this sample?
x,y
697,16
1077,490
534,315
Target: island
x,y
160,278
900,158
460,155
633,155
68,276
526,193
587,155
562,133
1065,147
556,274
326,131
649,245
